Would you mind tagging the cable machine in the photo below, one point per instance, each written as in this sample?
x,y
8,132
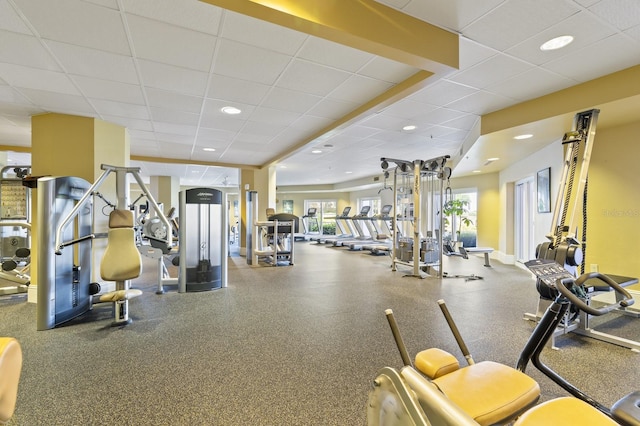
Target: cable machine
x,y
568,235
417,218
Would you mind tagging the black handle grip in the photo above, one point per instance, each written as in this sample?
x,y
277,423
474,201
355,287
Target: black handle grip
x,y
564,285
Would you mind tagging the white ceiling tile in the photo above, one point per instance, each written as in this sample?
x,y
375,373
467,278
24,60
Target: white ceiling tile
x,y
439,115
208,134
623,14
173,79
325,52
32,78
22,49
213,107
442,92
63,20
609,59
167,44
262,34
112,4
494,69
273,116
312,78
10,20
584,27
310,123
58,102
384,122
634,33
129,123
471,53
520,19
19,109
120,109
141,134
332,108
109,90
387,70
175,129
531,84
359,89
12,96
195,15
175,116
236,90
408,109
290,100
164,99
94,63
466,122
221,123
448,14
481,103
240,61
264,131
178,138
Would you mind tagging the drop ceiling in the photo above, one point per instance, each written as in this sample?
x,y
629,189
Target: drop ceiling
x,y
165,68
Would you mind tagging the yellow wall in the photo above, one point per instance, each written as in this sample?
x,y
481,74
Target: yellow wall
x,y
613,213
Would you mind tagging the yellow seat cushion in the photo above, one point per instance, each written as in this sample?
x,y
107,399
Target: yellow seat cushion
x,y
565,411
434,362
10,368
117,295
489,392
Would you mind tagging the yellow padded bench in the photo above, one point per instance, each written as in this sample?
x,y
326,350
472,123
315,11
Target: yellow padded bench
x,y
10,368
566,411
490,392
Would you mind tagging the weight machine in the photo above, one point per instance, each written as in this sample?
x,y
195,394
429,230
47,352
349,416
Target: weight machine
x,y
65,290
417,220
567,238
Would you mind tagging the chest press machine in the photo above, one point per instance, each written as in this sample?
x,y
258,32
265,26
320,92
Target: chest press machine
x,y
65,248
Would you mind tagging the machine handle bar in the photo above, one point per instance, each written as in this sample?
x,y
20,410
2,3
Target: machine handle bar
x,y
564,288
75,241
404,354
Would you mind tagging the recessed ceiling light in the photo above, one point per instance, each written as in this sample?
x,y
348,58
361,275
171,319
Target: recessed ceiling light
x,y
556,43
316,151
525,136
493,159
208,149
283,166
231,110
409,128
476,171
348,172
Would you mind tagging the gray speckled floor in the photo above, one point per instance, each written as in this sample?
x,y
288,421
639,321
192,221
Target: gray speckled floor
x,y
284,346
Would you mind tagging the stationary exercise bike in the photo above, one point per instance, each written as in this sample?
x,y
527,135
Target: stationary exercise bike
x,y
437,391
569,295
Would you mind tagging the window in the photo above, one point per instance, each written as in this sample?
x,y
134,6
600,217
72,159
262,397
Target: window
x,y
325,214
373,202
461,217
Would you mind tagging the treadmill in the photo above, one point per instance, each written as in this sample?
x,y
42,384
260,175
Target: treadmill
x,y
357,221
343,226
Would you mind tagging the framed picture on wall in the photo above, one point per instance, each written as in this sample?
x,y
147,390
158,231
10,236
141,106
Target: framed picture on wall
x,y
287,206
544,190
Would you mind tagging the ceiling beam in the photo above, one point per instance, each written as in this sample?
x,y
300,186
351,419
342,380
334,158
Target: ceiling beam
x,y
610,88
364,25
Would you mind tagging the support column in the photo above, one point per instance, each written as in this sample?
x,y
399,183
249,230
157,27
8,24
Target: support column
x,y
264,182
68,145
165,190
